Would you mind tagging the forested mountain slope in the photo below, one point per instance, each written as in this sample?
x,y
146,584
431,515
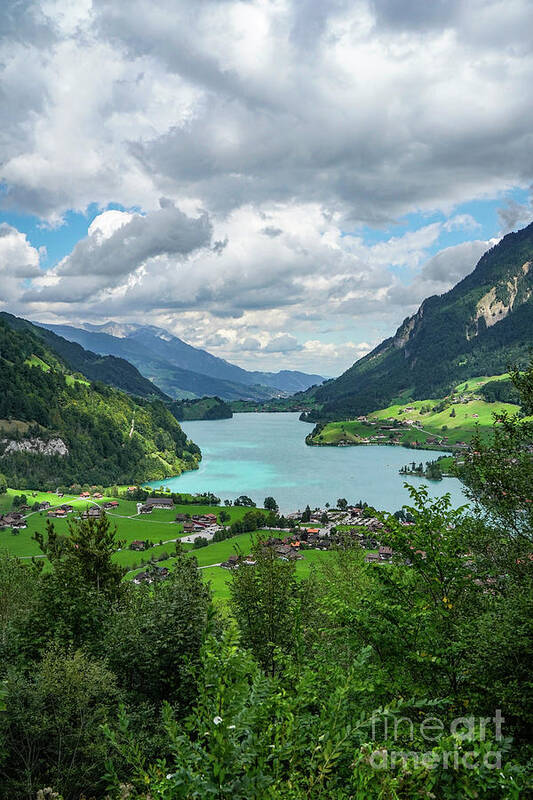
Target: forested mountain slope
x,y
479,327
58,428
114,371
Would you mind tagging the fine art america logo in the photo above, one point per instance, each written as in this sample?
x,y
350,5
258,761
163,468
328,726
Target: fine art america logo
x,y
465,742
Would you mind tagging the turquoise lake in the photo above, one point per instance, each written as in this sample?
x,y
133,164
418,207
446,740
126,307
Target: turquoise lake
x,y
266,454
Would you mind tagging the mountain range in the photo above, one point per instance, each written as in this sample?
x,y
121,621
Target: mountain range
x,y
480,327
177,368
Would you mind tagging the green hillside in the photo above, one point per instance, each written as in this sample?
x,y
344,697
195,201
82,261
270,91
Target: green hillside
x,y
480,327
113,371
58,428
203,408
445,422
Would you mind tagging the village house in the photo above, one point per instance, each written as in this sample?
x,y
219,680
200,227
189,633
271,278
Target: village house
x,y
156,573
92,513
355,511
13,520
110,504
137,544
160,502
372,558
57,512
385,553
231,563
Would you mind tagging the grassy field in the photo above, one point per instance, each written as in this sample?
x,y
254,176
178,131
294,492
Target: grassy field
x,y
457,422
159,527
219,578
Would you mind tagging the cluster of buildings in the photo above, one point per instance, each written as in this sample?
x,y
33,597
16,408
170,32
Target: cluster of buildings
x,y
198,522
287,548
60,511
13,519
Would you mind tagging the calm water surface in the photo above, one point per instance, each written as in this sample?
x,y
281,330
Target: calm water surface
x,y
266,454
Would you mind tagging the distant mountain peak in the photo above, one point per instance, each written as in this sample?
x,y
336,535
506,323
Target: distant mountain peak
x,y
180,369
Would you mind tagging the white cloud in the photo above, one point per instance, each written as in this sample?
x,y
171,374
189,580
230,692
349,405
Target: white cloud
x,y
19,261
371,108
275,127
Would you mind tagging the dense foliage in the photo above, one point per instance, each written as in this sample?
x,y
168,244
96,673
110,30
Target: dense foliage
x,y
365,681
203,408
447,341
110,437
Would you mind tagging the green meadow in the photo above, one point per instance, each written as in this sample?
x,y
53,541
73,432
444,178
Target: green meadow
x,y
158,527
456,422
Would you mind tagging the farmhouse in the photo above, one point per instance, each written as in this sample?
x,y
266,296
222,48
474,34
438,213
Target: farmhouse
x,y
13,520
159,502
137,544
231,563
156,573
92,513
385,553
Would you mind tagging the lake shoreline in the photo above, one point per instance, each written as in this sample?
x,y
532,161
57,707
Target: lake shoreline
x,y
265,454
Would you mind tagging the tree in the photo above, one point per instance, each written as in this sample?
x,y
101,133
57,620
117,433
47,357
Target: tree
x,y
86,553
342,503
264,600
75,597
153,641
3,484
498,474
244,500
306,516
17,592
51,726
270,504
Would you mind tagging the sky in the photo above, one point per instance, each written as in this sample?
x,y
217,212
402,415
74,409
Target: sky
x,y
281,182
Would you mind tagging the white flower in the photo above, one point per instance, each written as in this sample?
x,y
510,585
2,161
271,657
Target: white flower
x,y
231,727
217,720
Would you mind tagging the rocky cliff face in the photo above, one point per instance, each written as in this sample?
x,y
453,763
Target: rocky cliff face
x,y
35,446
501,299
